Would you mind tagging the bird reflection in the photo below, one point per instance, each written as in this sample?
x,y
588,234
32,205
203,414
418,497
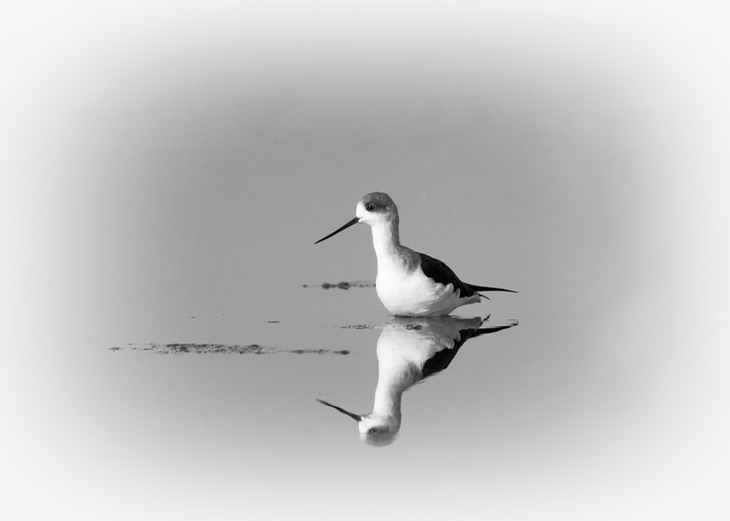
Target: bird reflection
x,y
410,349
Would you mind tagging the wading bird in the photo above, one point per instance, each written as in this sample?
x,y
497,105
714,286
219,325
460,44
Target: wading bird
x,y
409,283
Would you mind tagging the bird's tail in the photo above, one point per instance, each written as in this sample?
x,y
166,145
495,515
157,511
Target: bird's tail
x,y
487,288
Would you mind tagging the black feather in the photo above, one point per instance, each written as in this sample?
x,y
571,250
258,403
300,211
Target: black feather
x,y
487,288
441,273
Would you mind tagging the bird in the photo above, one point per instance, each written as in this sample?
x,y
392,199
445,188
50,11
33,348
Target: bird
x,y
409,283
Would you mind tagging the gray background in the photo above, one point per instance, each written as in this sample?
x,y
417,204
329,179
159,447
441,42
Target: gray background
x,y
169,160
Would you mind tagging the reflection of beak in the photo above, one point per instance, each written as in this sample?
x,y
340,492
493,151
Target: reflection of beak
x,y
338,230
355,417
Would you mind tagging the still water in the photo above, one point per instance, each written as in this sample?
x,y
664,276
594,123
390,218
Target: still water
x,y
224,413
176,347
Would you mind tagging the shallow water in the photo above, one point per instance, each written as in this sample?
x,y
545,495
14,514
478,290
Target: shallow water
x,y
167,339
218,412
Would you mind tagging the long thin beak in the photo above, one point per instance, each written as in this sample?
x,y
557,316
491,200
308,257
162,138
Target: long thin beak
x,y
338,230
354,416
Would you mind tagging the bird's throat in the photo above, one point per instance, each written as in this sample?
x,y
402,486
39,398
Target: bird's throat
x,y
386,241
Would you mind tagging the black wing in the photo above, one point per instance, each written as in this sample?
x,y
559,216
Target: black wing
x,y
488,288
440,272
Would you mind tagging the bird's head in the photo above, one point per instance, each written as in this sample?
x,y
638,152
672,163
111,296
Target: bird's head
x,y
376,208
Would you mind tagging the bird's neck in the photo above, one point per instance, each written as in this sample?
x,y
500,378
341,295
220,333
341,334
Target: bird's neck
x,y
386,240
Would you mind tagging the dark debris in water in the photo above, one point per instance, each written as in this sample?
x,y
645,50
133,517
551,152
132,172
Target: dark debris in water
x,y
357,326
250,349
319,352
413,327
341,285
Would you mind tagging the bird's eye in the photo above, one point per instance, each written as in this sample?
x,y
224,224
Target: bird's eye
x,y
370,207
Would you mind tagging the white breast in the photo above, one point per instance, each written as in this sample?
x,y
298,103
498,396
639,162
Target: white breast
x,y
414,294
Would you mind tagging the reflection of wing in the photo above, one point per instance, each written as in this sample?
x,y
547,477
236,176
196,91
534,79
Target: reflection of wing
x,y
443,358
439,361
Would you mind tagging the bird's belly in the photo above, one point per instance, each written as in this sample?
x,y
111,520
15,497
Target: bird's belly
x,y
414,294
